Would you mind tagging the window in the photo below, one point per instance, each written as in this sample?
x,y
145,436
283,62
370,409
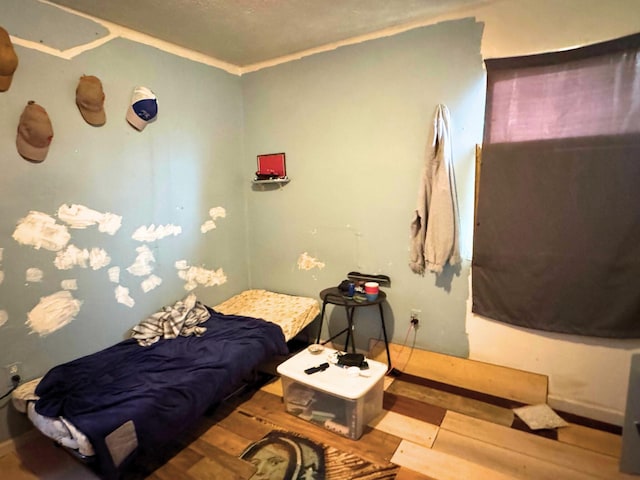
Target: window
x,y
557,236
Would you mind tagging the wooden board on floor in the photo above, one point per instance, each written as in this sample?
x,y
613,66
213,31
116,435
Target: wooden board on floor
x,y
553,451
591,439
441,465
450,401
518,385
11,467
508,462
416,431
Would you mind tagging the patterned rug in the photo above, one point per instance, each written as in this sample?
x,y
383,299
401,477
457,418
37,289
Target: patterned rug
x,y
281,455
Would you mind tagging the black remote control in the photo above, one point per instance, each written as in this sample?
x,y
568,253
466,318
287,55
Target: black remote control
x,y
319,368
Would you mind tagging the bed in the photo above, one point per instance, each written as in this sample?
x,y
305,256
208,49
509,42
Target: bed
x,y
140,393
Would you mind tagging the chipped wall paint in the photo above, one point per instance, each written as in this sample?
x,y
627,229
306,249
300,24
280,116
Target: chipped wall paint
x,y
79,216
149,283
1,277
34,274
71,257
122,296
98,258
53,312
214,213
4,316
194,276
114,274
306,262
69,284
153,233
142,265
40,230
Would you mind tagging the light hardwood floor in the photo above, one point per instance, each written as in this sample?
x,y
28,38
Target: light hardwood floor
x,y
444,418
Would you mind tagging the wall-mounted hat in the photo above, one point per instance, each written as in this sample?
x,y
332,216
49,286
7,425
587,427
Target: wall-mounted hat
x,y
90,100
8,60
143,108
34,133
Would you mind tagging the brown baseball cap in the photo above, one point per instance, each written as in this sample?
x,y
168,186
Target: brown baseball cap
x,y
90,100
8,60
34,133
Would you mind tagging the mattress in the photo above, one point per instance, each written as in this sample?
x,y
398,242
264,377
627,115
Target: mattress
x,y
292,313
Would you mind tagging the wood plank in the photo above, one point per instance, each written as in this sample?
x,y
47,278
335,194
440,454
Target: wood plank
x,y
407,474
518,385
228,440
11,467
416,431
441,465
170,472
274,387
553,451
450,401
186,458
413,408
246,425
591,439
220,461
374,446
514,464
208,469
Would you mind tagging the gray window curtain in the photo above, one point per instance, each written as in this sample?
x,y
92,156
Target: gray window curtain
x,y
557,235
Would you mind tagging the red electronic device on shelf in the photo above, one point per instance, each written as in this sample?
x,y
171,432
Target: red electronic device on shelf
x,y
271,166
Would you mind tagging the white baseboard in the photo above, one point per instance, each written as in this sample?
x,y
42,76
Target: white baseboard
x,y
593,412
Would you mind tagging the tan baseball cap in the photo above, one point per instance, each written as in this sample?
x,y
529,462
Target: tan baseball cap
x,y
8,60
90,100
34,133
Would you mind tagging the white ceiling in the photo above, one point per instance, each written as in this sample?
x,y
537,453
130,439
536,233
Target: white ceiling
x,y
245,32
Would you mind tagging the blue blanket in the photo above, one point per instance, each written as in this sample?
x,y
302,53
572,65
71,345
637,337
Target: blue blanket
x,y
162,388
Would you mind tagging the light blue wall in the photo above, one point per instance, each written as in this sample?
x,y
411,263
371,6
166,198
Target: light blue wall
x,y
354,124
173,172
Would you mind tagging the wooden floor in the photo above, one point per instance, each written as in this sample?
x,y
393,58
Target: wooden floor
x,y
443,418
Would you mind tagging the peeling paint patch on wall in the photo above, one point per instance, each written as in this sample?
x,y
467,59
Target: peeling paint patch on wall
x,y
142,265
71,257
214,213
306,262
153,233
34,275
69,284
194,276
4,316
114,274
1,277
98,258
149,283
39,230
122,296
53,312
79,216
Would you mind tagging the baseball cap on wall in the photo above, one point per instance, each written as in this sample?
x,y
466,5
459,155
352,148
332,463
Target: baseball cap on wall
x,y
90,100
143,108
8,60
34,133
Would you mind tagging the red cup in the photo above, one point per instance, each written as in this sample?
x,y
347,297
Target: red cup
x,y
371,288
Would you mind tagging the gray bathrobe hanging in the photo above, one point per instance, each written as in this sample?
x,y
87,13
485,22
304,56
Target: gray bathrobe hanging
x,y
435,223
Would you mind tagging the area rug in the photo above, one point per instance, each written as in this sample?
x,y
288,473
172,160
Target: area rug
x,y
282,455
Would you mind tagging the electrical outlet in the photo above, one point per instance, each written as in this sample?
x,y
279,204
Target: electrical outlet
x,y
415,317
12,370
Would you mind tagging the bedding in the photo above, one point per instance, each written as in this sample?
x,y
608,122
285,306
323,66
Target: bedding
x,y
291,312
136,395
